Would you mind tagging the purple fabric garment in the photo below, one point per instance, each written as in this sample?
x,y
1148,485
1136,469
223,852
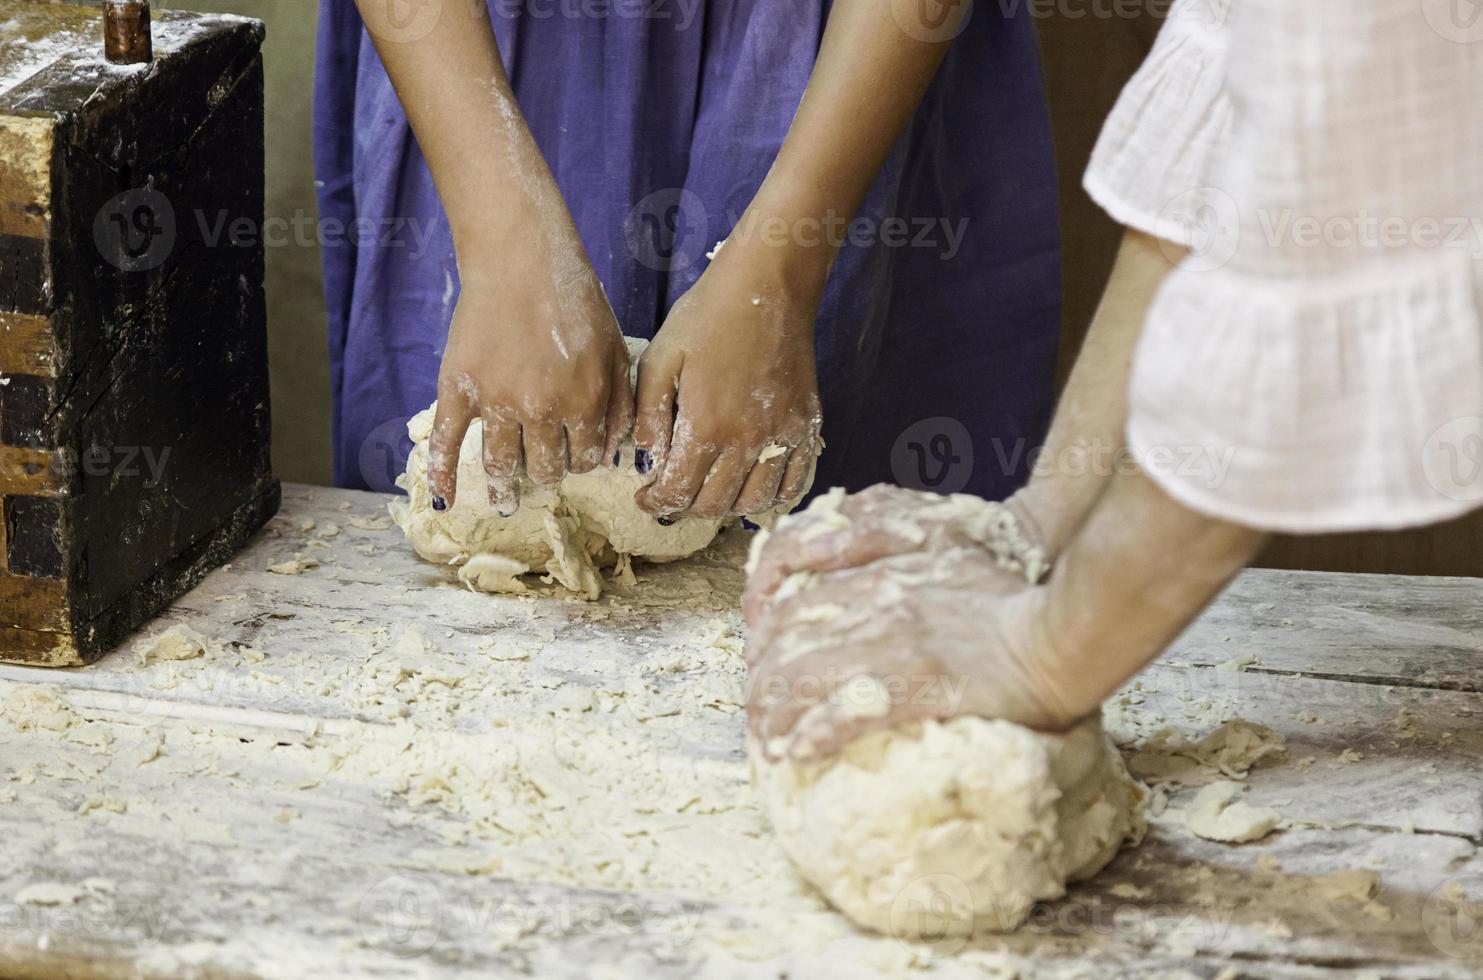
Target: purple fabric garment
x,y
938,332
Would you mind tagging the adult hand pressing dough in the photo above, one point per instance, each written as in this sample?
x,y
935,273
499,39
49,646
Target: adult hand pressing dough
x,y
569,530
869,707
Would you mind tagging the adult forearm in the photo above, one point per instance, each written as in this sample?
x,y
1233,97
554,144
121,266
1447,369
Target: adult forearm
x,y
1138,572
1087,436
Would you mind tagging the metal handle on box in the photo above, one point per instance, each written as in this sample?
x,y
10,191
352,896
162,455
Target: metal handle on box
x,y
126,37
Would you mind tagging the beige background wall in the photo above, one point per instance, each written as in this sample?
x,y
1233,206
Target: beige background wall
x,y
298,354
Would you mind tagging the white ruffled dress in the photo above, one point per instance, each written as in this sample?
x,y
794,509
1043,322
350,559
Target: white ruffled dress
x,y
1316,363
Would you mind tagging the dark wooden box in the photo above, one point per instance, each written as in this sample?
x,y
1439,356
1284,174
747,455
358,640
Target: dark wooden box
x,y
134,423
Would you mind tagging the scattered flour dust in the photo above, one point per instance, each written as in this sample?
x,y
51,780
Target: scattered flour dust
x,y
498,762
27,47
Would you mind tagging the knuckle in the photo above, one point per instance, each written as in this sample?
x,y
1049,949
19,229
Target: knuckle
x,y
587,460
457,388
674,500
755,504
540,411
499,465
708,510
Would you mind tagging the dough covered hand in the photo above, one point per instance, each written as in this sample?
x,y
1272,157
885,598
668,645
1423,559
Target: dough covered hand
x,y
538,356
570,532
842,531
922,634
533,350
728,399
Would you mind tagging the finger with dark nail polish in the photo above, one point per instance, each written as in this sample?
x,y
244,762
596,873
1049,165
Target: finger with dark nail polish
x,y
643,461
665,521
439,503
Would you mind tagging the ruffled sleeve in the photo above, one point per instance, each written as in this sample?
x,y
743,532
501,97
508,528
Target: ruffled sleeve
x,y
1169,126
1316,364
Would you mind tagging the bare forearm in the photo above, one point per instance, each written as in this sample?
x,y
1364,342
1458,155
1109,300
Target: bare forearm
x,y
1138,572
867,82
452,85
1087,434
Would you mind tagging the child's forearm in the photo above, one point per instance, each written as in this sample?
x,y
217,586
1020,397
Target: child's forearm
x,y
446,68
866,84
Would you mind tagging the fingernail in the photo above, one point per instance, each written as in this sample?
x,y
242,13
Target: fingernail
x,y
439,503
665,521
617,457
643,461
507,513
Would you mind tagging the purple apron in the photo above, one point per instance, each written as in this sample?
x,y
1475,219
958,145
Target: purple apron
x,y
937,335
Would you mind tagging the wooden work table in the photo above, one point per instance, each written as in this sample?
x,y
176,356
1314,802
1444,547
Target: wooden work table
x,y
239,813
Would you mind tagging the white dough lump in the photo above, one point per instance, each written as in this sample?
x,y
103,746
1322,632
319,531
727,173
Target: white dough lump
x,y
944,829
570,531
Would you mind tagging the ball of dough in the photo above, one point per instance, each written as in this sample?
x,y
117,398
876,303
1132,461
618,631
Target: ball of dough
x,y
940,829
570,531
586,522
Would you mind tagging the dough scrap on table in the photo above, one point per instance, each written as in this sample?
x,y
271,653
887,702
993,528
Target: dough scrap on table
x,y
572,531
176,643
939,829
1217,813
50,893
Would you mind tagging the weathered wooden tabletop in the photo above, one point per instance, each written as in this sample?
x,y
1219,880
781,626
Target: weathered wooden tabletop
x,y
372,771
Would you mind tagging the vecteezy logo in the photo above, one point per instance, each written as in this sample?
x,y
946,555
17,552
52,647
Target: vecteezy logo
x,y
934,454
1452,917
383,454
1206,222
403,913
933,21
936,911
1452,459
666,230
1455,20
135,230
402,21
